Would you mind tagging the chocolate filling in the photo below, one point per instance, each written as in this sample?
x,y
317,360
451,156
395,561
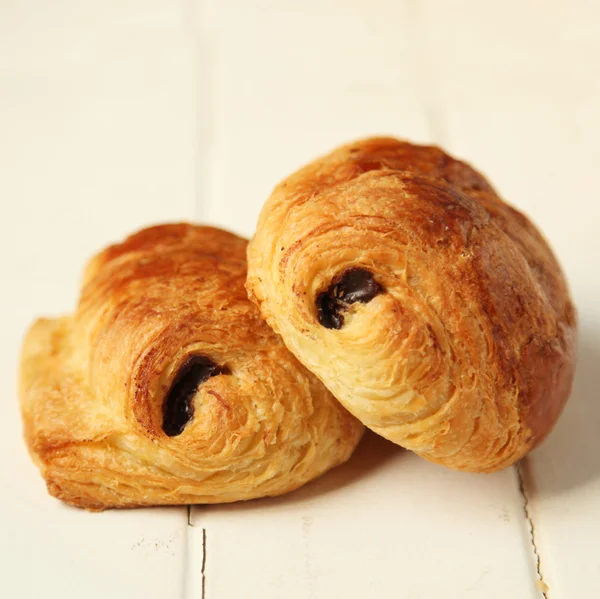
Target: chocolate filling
x,y
178,409
354,285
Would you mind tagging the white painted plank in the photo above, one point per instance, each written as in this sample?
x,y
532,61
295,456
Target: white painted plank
x,y
96,101
290,81
386,524
518,91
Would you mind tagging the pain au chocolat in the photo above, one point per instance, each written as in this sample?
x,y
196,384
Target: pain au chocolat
x,y
434,311
166,387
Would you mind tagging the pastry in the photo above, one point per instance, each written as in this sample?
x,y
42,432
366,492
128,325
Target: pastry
x,y
166,387
435,312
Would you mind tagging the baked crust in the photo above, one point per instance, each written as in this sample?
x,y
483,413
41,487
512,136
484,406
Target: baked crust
x,y
464,349
94,385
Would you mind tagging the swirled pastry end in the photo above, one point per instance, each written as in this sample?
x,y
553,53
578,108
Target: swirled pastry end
x,y
434,311
166,387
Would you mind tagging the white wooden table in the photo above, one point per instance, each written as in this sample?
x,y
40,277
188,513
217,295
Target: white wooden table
x,y
122,113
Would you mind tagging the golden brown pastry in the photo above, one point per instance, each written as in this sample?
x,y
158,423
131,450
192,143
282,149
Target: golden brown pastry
x,y
432,310
166,387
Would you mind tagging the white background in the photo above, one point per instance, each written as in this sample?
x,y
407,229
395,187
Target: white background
x,y
122,113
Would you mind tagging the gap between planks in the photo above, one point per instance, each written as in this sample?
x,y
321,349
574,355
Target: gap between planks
x,y
524,476
188,579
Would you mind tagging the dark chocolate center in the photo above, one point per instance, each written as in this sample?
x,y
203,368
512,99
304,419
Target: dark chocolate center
x,y
353,285
178,409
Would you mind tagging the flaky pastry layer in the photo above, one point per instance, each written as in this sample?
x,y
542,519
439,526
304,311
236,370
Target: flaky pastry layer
x,y
435,312
165,339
